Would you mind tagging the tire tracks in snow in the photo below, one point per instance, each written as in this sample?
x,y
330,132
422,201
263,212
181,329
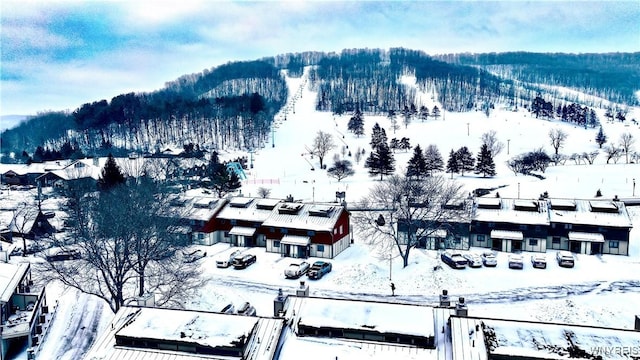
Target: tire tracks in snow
x,y
494,297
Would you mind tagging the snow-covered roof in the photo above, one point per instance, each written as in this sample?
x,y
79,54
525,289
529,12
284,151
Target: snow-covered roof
x,y
10,276
247,209
607,213
33,168
377,317
188,328
317,217
507,213
554,341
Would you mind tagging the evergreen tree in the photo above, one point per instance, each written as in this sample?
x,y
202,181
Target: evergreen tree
x,y
380,161
356,123
485,164
405,144
436,112
417,167
378,136
453,164
111,175
465,160
221,179
394,144
433,159
601,138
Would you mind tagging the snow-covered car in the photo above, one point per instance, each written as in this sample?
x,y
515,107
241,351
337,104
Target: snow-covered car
x,y
319,269
516,261
454,259
539,261
226,260
296,269
473,260
565,259
489,258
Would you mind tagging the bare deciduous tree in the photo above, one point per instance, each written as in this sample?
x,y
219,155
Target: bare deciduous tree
x,y
129,239
263,192
557,138
491,140
613,153
626,143
415,207
322,144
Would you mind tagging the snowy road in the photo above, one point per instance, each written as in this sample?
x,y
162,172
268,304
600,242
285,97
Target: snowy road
x,y
496,297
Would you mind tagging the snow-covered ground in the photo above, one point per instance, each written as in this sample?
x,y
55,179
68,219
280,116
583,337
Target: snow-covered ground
x,y
598,290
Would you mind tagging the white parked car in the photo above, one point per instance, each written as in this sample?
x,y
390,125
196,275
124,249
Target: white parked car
x,y
473,260
226,260
516,261
296,269
489,258
565,259
539,261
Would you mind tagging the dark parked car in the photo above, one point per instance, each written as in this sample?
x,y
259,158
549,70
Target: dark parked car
x,y
242,261
319,269
454,259
63,255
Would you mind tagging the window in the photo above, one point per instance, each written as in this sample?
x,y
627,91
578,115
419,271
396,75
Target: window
x,y
491,225
567,226
320,248
234,222
523,227
555,240
614,244
311,233
533,242
480,237
284,231
272,229
276,244
226,234
340,231
457,240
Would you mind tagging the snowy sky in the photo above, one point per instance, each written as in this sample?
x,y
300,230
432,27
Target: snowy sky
x,y
57,55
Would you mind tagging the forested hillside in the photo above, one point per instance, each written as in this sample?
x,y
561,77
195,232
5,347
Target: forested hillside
x,y
233,105
612,76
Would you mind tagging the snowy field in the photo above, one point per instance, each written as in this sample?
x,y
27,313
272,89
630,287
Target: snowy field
x,y
599,290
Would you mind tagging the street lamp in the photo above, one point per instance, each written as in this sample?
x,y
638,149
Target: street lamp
x,y
467,129
634,187
508,142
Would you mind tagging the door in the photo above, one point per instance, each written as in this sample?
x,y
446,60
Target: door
x,y
574,246
496,244
516,245
596,248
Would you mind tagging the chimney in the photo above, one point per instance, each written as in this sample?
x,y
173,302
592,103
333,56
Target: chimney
x,y
147,300
444,299
278,304
461,308
303,290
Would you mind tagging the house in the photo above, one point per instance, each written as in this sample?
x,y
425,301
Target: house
x,y
303,230
239,221
193,210
510,224
290,228
589,226
153,333
24,313
30,224
449,231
